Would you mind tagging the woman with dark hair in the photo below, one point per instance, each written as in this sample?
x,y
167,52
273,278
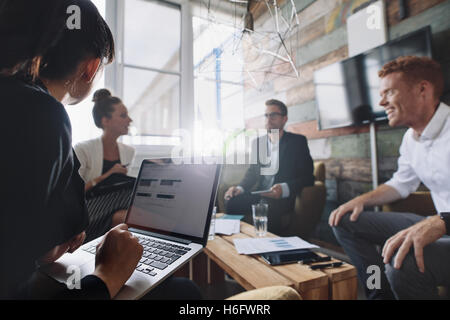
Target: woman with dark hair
x,y
104,163
43,64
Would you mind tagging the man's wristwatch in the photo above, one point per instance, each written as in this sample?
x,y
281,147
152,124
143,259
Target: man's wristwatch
x,y
446,217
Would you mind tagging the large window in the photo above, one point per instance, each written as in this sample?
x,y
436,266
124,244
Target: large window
x,y
218,81
172,71
218,75
151,74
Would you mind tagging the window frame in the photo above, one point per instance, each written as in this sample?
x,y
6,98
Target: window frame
x,y
114,73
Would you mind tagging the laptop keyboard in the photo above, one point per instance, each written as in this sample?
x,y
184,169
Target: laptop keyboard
x,y
157,255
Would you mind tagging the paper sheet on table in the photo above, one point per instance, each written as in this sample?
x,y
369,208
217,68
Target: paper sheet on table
x,y
228,226
262,245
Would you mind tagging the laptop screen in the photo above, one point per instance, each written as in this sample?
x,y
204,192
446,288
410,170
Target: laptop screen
x,y
173,198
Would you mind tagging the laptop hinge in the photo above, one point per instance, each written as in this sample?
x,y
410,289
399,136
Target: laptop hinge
x,y
161,236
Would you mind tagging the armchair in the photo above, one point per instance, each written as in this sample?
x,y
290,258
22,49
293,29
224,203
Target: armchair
x,y
309,205
419,203
268,293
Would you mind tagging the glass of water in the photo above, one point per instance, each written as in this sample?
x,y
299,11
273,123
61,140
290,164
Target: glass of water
x,y
260,211
212,226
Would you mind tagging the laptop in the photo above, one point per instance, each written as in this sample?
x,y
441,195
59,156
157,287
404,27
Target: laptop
x,y
170,213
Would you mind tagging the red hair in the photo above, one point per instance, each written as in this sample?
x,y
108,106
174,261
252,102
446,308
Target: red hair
x,y
416,69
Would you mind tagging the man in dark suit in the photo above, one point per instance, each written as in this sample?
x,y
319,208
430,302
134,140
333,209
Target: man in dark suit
x,y
295,171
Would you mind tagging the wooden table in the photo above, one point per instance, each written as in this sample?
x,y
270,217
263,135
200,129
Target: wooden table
x,y
251,272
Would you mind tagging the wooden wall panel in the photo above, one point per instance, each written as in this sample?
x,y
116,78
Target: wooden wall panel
x,y
359,169
307,71
413,7
322,46
302,112
310,130
312,31
338,17
300,94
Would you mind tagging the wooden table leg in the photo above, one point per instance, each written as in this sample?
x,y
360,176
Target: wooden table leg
x,y
320,293
345,289
215,273
202,270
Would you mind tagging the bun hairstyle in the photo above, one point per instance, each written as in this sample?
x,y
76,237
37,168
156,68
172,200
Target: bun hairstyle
x,y
39,43
101,94
103,105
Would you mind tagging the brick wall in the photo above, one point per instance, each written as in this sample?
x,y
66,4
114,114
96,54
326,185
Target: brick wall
x,y
323,41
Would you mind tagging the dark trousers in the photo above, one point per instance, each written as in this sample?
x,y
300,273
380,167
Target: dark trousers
x,y
360,240
175,289
278,215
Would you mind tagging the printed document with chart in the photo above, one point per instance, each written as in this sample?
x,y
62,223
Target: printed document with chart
x,y
262,245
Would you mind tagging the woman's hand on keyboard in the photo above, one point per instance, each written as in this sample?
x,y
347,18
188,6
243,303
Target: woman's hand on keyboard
x,y
117,256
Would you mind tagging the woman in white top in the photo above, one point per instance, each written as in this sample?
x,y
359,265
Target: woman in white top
x,y
103,159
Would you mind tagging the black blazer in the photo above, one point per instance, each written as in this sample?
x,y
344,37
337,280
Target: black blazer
x,y
295,165
42,203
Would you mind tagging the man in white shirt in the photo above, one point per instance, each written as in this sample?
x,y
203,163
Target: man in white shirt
x,y
416,250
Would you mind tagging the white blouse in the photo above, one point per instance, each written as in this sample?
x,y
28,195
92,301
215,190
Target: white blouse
x,y
90,155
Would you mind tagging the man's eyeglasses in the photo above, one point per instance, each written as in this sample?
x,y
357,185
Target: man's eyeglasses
x,y
273,115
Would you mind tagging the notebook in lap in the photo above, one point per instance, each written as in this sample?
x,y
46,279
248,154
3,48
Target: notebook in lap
x,y
170,213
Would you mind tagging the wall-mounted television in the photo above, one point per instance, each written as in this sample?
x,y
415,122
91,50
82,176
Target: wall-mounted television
x,y
347,92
